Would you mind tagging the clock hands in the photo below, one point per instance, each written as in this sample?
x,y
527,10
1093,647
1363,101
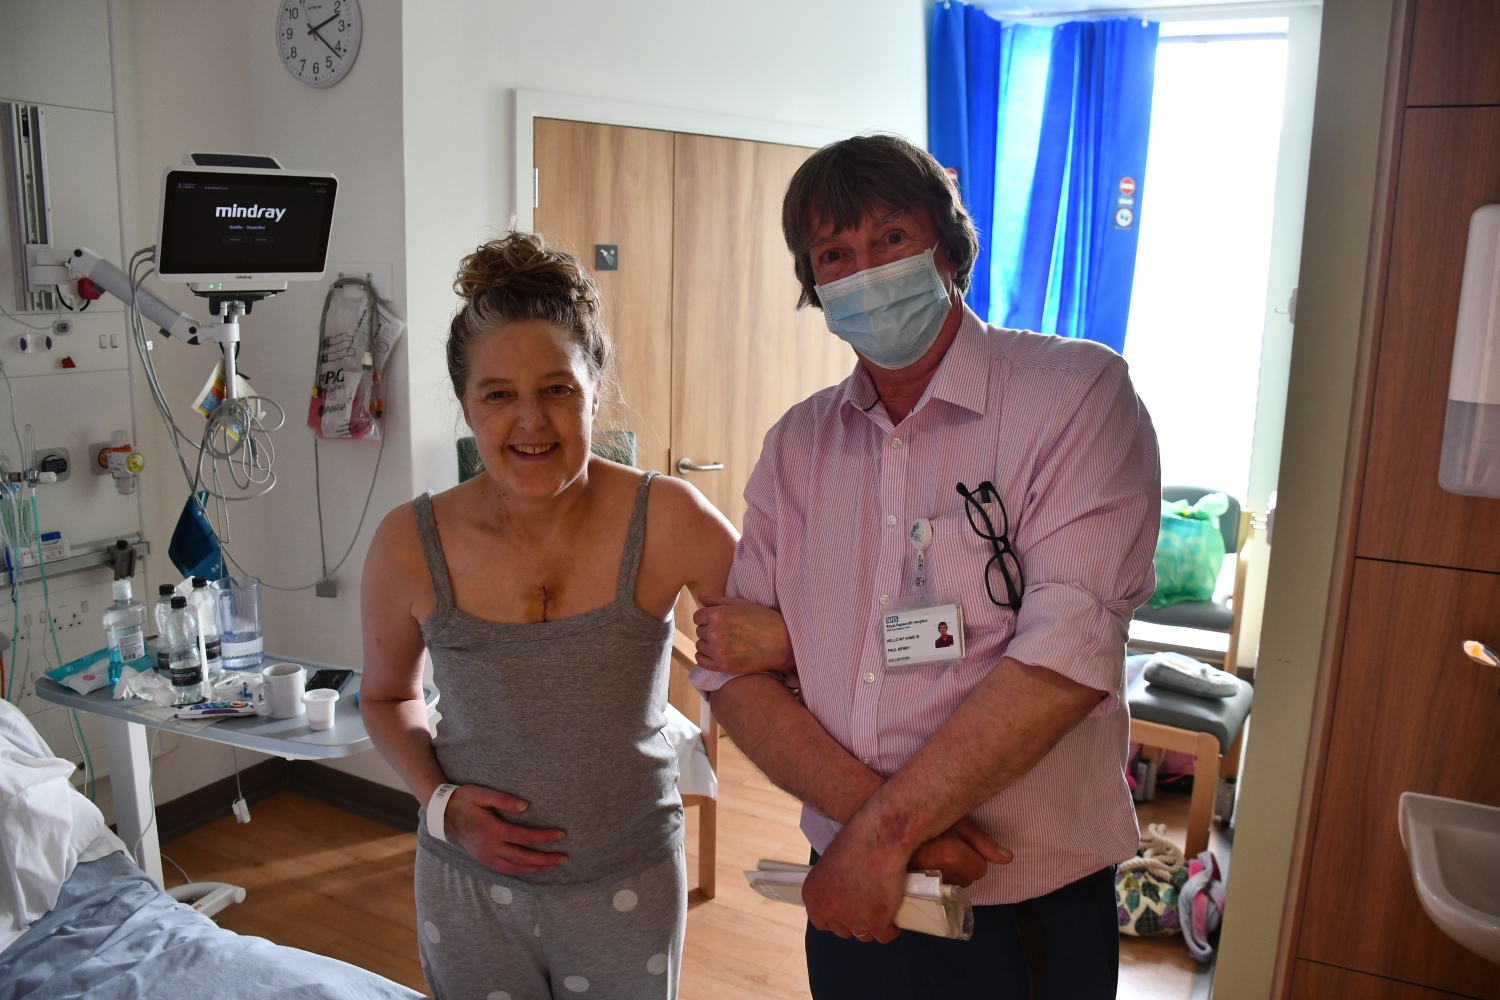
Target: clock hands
x,y
312,29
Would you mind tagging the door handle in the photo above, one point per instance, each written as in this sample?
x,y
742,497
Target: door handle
x,y
685,465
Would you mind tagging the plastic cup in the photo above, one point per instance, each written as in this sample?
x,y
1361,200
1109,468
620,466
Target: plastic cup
x,y
320,707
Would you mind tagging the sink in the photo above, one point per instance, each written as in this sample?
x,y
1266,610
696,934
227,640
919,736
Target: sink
x,y
1454,850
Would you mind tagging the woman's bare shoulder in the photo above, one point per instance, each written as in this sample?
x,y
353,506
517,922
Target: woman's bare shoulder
x,y
396,543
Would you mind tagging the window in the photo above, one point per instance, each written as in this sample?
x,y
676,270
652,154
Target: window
x,y
1198,306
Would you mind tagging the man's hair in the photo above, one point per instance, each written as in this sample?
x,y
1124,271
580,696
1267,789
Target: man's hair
x,y
850,180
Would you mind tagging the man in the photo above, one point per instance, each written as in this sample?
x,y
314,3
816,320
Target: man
x,y
1009,482
944,639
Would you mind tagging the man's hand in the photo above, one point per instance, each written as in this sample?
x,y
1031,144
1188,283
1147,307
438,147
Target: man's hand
x,y
472,820
963,853
741,637
856,887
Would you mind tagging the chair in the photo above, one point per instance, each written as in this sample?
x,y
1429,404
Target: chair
x,y
1210,616
1211,729
686,699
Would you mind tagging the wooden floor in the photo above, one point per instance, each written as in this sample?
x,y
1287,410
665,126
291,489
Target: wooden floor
x,y
331,882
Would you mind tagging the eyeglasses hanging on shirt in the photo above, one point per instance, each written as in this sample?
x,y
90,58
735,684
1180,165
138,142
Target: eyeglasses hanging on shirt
x,y
984,507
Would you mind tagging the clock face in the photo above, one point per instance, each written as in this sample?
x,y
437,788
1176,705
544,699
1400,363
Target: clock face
x,y
318,39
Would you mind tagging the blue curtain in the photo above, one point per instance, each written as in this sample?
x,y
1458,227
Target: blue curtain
x,y
1047,129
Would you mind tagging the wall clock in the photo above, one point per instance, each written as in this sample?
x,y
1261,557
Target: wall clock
x,y
318,39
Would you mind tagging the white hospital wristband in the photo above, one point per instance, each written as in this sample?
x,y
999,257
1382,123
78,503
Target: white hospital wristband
x,y
435,809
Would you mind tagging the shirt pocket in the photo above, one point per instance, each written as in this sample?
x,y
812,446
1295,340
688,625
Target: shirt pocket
x,y
956,568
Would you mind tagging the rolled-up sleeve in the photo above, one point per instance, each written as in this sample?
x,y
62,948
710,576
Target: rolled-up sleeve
x,y
1088,538
753,575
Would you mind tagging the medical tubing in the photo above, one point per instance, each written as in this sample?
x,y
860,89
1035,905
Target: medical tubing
x,y
41,566
251,458
16,319
150,791
20,446
82,743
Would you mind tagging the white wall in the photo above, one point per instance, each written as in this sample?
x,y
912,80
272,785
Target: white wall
x,y
419,135
206,76
843,64
1343,211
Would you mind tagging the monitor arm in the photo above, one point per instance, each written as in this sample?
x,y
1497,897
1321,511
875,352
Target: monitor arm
x,y
52,266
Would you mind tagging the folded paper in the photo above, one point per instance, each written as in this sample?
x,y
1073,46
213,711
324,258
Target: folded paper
x,y
929,906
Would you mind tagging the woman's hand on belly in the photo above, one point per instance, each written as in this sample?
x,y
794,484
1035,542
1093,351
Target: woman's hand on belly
x,y
473,820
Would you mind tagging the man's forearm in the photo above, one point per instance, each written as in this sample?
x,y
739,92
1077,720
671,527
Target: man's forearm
x,y
1000,732
782,738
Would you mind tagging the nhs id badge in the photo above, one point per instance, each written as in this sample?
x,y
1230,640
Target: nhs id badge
x,y
918,634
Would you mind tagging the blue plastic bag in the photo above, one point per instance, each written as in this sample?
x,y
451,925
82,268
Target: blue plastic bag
x,y
194,548
1189,550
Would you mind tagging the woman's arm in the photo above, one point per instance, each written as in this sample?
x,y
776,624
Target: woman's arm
x,y
391,704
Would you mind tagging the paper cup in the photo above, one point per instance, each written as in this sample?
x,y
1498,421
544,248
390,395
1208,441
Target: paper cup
x,y
320,707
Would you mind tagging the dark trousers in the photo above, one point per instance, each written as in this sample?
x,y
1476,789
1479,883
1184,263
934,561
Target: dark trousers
x,y
1071,936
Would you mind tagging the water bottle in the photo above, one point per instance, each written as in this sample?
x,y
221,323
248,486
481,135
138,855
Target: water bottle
x,y
201,600
124,629
184,668
162,608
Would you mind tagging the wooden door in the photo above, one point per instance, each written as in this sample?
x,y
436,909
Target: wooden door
x,y
612,186
1413,714
742,353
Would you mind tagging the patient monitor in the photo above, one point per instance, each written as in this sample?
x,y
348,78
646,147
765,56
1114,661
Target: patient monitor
x,y
234,228
241,223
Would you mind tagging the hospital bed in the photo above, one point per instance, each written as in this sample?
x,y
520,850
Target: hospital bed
x,y
79,919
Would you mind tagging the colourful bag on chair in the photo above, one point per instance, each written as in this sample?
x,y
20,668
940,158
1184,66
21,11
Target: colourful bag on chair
x,y
1189,550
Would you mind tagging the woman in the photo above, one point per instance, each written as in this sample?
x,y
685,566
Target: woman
x,y
543,590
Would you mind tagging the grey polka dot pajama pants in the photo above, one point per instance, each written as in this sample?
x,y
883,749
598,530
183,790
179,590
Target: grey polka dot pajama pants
x,y
499,938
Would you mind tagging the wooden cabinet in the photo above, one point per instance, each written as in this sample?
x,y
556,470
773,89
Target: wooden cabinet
x,y
1324,982
1453,57
1449,166
1406,709
1413,714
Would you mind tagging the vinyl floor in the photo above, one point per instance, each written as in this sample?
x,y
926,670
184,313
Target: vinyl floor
x,y
323,879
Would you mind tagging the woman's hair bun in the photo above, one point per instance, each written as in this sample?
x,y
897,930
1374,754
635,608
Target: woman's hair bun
x,y
519,277
523,264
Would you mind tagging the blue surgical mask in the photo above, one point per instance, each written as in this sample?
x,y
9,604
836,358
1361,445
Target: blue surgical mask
x,y
890,314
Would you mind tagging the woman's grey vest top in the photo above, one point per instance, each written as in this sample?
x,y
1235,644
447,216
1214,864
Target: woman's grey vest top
x,y
566,715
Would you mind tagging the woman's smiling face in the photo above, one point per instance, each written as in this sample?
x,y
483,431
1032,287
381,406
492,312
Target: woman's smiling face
x,y
531,402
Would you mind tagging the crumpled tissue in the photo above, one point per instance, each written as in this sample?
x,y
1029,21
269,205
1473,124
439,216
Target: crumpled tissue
x,y
142,684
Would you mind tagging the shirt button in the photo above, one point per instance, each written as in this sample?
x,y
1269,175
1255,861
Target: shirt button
x,y
866,760
895,442
890,519
885,598
869,678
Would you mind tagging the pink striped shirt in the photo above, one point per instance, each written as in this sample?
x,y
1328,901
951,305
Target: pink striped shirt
x,y
1056,425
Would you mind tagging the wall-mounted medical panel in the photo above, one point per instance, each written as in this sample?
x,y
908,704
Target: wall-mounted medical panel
x,y
84,197
74,412
71,69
